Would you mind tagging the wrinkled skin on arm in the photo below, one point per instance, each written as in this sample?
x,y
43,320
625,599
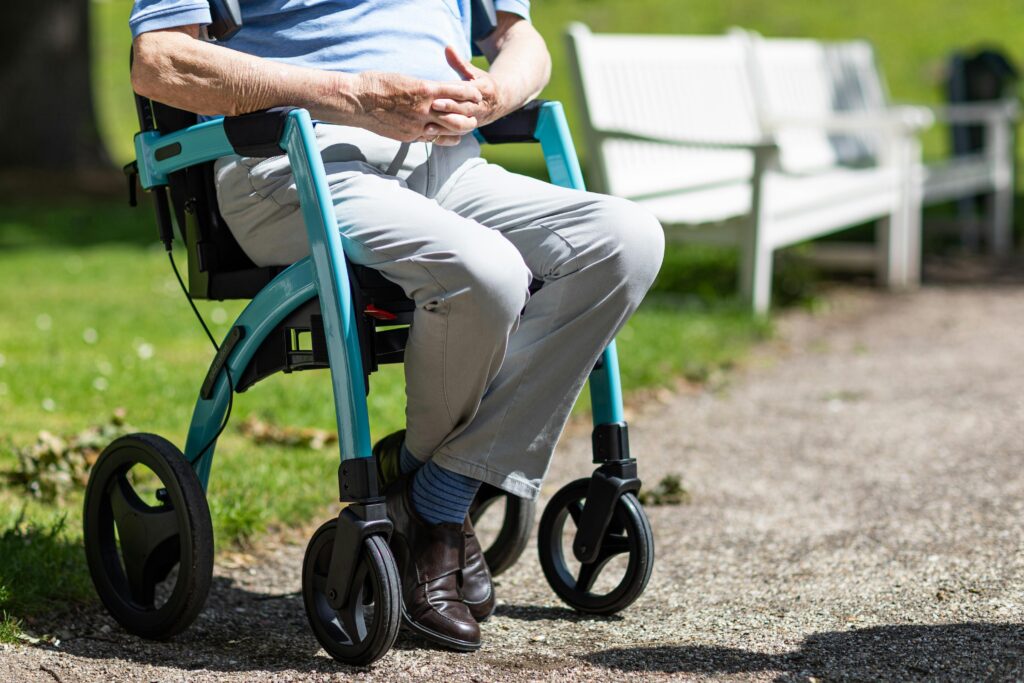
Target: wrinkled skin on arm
x,y
175,67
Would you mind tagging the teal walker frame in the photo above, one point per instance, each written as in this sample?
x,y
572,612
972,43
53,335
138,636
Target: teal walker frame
x,y
323,274
350,582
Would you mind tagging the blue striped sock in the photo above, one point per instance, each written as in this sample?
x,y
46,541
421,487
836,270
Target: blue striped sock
x,y
440,495
407,462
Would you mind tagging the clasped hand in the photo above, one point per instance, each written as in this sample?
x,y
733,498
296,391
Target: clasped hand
x,y
413,110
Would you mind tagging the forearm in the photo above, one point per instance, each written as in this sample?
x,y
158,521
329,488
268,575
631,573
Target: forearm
x,y
175,68
520,62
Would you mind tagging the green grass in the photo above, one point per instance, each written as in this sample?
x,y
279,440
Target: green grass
x,y
10,628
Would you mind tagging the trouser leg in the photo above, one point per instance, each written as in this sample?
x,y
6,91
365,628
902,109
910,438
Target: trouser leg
x,y
485,402
469,286
597,257
468,282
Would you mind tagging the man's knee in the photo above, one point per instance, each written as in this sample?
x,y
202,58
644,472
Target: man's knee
x,y
492,281
627,241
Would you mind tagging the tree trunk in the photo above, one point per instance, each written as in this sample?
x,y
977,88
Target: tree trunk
x,y
47,121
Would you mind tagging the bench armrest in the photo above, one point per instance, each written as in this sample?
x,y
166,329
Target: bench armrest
x,y
991,111
904,119
766,146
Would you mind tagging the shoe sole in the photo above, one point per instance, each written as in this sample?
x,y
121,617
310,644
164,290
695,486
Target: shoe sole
x,y
438,638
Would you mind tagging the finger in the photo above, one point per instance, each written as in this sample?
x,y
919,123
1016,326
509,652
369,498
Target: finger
x,y
453,123
460,91
461,66
454,107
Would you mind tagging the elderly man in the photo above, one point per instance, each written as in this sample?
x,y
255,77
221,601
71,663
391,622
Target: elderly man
x,y
491,372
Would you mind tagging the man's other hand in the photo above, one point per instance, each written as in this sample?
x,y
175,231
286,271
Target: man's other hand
x,y
402,108
489,108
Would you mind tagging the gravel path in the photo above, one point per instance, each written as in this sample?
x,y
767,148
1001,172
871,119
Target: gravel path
x,y
856,513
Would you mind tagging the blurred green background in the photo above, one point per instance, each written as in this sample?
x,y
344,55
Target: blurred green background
x,y
912,38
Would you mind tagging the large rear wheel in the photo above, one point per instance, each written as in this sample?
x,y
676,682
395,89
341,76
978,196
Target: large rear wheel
x,y
502,523
148,536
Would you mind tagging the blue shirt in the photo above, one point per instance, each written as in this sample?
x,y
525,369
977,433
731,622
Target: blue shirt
x,y
401,36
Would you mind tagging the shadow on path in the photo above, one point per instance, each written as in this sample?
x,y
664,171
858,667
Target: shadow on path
x,y
537,613
954,652
239,631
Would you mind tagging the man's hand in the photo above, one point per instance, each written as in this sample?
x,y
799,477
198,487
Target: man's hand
x,y
404,108
491,106
519,69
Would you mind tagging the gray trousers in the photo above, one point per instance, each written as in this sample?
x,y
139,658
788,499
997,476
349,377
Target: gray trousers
x,y
491,372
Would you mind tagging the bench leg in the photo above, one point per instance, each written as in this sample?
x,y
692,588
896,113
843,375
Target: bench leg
x,y
1000,216
1001,143
756,274
898,240
891,268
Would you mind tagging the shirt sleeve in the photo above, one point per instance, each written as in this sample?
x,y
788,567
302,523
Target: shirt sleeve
x,y
153,15
520,7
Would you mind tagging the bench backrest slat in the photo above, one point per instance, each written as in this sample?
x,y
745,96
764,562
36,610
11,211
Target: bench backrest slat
x,y
792,81
683,87
805,79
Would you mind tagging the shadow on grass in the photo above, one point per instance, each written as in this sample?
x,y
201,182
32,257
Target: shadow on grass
x,y
954,652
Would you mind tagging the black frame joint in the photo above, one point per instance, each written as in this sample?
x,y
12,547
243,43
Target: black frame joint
x,y
610,442
357,481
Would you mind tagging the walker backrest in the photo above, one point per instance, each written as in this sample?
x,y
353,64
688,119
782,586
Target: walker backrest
x,y
217,266
683,87
194,194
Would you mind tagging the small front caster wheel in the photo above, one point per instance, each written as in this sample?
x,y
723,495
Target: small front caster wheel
x,y
492,507
148,536
623,566
365,629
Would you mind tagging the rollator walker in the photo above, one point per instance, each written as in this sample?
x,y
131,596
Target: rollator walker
x,y
150,550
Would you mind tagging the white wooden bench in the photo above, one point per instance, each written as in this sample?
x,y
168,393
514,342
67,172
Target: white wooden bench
x,y
989,172
674,123
817,112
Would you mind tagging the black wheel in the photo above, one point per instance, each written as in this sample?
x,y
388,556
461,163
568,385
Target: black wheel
x,y
148,536
623,566
366,629
503,538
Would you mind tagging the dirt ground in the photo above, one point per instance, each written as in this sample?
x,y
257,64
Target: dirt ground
x,y
855,513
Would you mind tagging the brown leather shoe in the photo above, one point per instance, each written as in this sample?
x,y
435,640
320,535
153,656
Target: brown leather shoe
x,y
430,558
477,588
